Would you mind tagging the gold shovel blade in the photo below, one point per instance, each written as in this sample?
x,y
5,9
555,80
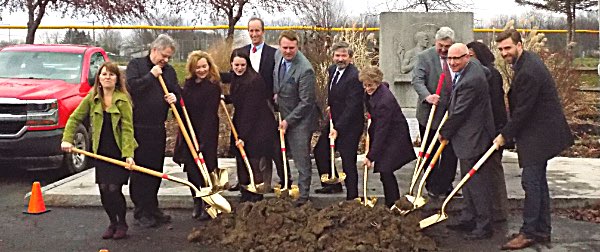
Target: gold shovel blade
x,y
329,179
257,188
213,212
436,218
293,193
219,202
370,202
417,202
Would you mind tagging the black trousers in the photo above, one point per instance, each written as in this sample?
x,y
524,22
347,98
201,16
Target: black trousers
x,y
347,145
477,192
441,177
150,154
390,187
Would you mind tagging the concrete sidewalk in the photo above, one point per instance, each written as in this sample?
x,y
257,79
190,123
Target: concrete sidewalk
x,y
572,182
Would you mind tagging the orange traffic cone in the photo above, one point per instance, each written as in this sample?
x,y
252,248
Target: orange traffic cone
x,y
36,201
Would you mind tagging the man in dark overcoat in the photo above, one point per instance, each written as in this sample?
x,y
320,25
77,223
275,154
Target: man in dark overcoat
x,y
538,127
470,126
150,110
344,97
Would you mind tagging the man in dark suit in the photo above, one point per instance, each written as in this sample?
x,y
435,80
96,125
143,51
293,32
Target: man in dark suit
x,y
345,104
540,131
262,59
294,93
470,126
430,65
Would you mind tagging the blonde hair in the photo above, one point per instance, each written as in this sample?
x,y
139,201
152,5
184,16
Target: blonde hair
x,y
370,74
192,61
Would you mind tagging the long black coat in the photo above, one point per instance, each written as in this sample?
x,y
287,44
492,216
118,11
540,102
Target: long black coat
x,y
202,104
390,145
496,91
537,123
253,120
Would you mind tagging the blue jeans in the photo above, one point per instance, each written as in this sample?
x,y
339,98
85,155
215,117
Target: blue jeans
x,y
536,209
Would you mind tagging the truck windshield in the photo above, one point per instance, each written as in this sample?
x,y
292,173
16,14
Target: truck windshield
x,y
41,65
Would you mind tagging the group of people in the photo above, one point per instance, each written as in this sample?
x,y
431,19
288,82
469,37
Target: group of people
x,y
127,121
473,97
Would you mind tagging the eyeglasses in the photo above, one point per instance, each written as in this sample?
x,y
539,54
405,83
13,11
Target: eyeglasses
x,y
456,58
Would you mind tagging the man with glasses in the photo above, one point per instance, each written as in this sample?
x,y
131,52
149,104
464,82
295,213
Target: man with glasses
x,y
431,63
150,110
470,126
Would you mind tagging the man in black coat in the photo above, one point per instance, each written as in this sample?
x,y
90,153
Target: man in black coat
x,y
540,131
470,126
345,104
150,110
262,59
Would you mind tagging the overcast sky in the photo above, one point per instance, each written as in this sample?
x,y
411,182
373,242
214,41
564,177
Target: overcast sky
x,y
482,9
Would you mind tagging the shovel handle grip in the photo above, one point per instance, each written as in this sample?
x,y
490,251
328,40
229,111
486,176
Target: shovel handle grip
x,y
438,91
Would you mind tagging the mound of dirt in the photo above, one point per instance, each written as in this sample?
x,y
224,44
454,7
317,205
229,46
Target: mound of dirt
x,y
275,224
588,213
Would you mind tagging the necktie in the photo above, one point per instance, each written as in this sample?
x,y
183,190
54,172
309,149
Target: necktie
x,y
334,80
254,49
448,76
282,71
456,76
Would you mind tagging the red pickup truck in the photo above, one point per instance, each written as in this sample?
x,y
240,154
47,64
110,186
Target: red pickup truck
x,y
40,86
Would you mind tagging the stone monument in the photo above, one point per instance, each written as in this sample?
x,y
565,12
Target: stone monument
x,y
405,34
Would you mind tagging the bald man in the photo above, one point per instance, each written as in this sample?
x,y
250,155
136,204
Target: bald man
x,y
470,128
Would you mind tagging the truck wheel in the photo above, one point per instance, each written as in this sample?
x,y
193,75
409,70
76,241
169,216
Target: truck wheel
x,y
74,163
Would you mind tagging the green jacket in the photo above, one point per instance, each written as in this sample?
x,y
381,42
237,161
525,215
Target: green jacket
x,y
121,114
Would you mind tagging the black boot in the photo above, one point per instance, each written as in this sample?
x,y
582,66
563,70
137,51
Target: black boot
x,y
197,208
204,216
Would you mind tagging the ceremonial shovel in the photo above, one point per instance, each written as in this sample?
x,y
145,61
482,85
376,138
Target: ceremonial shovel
x,y
442,215
330,178
251,187
214,200
418,168
217,203
370,202
219,176
293,192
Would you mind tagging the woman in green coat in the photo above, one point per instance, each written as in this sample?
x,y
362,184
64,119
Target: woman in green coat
x,y
109,109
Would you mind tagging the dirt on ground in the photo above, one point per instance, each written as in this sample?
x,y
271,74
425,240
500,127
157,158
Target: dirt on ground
x,y
275,224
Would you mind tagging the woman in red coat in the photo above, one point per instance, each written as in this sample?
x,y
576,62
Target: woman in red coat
x,y
390,145
253,120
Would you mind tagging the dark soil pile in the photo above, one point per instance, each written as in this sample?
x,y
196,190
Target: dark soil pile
x,y
275,224
589,213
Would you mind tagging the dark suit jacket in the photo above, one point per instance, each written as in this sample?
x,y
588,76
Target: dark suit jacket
x,y
267,64
426,74
345,101
390,145
470,126
296,93
537,122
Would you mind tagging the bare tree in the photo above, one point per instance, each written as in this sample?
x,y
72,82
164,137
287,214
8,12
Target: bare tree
x,y
567,7
426,5
111,41
106,10
325,13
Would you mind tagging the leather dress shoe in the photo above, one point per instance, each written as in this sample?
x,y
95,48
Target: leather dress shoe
x,y
121,231
538,238
161,217
234,188
461,227
110,231
478,235
337,188
520,241
146,222
300,202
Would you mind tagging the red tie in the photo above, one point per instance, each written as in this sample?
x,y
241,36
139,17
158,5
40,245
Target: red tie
x,y
254,49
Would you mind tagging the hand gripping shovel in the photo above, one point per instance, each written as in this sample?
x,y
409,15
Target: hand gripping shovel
x,y
330,178
366,201
417,170
252,187
293,192
219,176
442,215
216,201
215,206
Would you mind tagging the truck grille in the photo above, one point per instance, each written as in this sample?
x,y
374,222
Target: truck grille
x,y
12,118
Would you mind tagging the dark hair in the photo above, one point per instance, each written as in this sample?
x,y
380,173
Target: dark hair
x,y
119,85
243,55
482,53
342,45
262,23
513,34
